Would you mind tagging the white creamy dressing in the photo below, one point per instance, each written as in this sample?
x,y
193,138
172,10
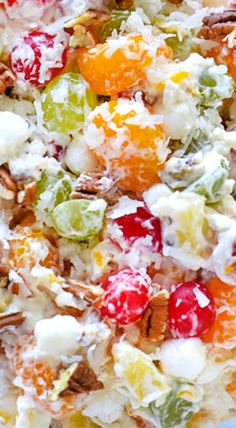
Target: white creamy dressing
x,y
133,381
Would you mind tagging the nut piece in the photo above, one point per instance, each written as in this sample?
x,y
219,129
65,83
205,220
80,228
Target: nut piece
x,y
8,187
10,320
141,423
78,289
154,320
70,310
29,194
124,4
83,379
82,37
90,18
22,216
4,271
218,24
7,78
55,424
83,28
91,184
176,1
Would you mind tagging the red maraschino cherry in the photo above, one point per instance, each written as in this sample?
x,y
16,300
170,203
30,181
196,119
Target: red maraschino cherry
x,y
126,296
38,57
191,310
141,225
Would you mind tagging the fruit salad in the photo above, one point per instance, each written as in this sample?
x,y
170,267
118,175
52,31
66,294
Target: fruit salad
x,y
117,213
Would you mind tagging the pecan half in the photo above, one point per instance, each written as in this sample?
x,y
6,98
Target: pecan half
x,y
153,322
83,379
7,78
10,320
92,184
218,24
8,187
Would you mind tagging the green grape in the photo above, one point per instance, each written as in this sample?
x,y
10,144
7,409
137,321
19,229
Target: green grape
x,y
181,48
58,188
66,101
211,183
202,143
117,17
214,86
78,219
206,80
181,172
174,412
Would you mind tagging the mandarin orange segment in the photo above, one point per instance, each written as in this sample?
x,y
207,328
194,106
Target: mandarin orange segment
x,y
39,377
31,247
117,65
132,143
34,373
223,331
230,62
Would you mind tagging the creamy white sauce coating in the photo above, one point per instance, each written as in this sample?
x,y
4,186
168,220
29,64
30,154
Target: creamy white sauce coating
x,y
196,235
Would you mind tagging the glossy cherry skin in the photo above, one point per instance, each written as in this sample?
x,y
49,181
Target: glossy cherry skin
x,y
30,56
126,296
141,224
191,310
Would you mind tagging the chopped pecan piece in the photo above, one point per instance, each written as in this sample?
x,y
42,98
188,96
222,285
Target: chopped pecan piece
x,y
176,1
82,37
22,216
55,424
124,4
88,19
3,281
15,288
83,195
10,320
83,28
4,270
82,380
141,423
7,78
217,18
70,310
90,184
90,292
6,179
218,24
66,270
28,194
153,322
8,187
2,350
